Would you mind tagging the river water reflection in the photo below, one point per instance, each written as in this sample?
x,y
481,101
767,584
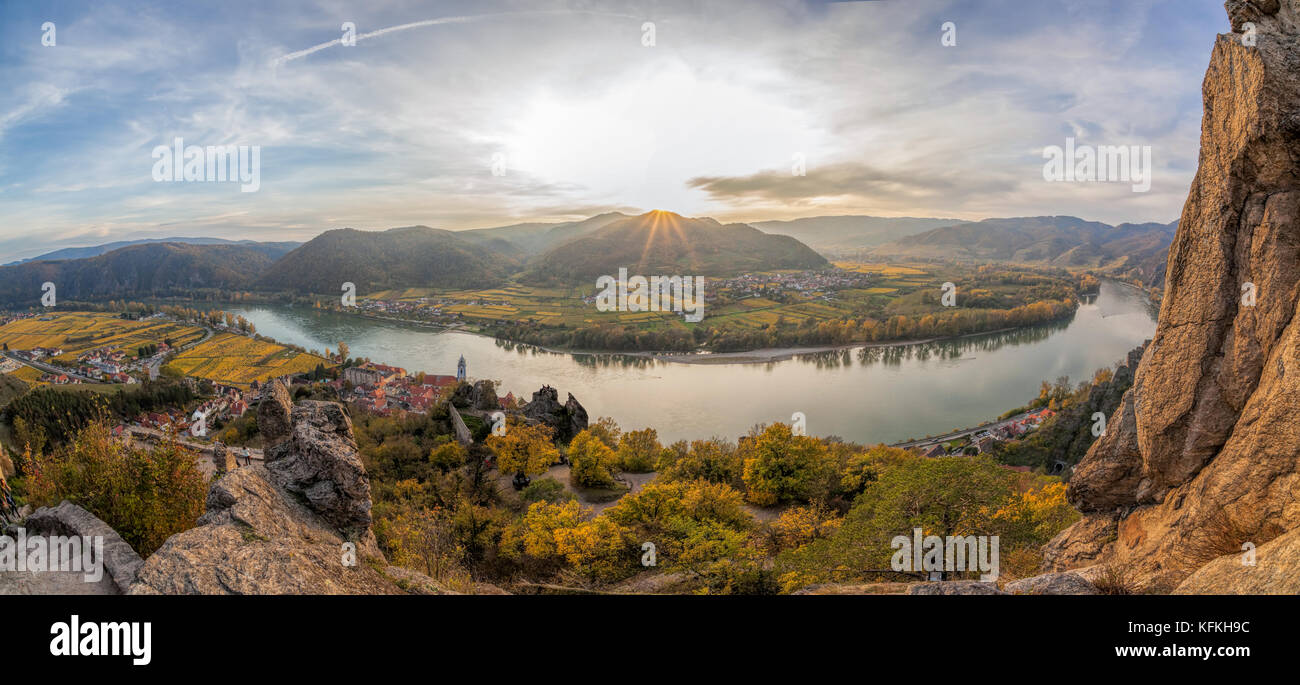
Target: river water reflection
x,y
867,395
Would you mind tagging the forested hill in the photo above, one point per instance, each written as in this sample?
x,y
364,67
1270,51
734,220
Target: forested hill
x,y
1130,250
155,269
666,243
414,256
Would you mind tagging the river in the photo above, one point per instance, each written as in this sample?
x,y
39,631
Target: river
x,y
865,395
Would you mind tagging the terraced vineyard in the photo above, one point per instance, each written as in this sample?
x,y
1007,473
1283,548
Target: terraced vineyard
x,y
77,332
238,360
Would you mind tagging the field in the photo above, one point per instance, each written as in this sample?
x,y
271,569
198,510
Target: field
x,y
904,288
238,360
226,358
77,332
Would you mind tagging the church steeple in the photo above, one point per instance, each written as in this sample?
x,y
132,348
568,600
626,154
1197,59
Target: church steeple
x,y
460,369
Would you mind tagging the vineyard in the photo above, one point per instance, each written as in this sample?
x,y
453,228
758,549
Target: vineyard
x,y
238,360
77,332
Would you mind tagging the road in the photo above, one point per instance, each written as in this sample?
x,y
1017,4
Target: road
x,y
203,448
47,368
926,442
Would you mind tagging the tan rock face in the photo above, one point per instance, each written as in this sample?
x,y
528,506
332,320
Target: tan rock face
x,y
1273,573
1210,428
273,415
290,527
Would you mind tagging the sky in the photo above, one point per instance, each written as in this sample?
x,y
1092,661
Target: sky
x,y
485,113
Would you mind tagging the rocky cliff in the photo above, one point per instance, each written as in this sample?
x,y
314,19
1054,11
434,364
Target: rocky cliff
x,y
566,420
1204,455
300,524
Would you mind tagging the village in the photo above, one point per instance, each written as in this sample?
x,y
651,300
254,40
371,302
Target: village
x,y
819,283
980,439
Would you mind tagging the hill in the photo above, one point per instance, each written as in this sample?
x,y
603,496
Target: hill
x,y
273,250
531,239
1135,250
152,269
838,233
413,256
665,243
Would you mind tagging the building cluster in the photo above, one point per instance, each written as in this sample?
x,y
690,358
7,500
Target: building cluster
x,y
39,353
983,441
423,308
228,404
383,389
805,283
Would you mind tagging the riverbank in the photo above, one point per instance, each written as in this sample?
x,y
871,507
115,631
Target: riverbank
x,y
765,355
907,391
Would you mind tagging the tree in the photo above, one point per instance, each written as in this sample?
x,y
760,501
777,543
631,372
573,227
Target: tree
x,y
607,430
781,466
592,462
524,449
448,455
714,460
344,350
944,496
638,450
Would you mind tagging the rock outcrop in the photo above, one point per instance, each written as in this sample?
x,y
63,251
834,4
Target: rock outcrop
x,y
223,460
566,420
1066,583
120,561
1273,573
273,413
480,396
300,524
955,587
1208,431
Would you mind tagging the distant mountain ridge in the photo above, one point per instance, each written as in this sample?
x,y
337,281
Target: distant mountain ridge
x,y
575,252
152,269
531,239
828,234
1136,250
272,249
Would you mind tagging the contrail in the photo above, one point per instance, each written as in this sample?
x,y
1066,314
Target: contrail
x,y
437,22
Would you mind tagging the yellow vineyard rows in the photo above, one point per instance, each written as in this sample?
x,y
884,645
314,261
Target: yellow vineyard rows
x,y
237,360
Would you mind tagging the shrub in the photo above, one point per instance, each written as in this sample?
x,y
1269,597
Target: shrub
x,y
146,495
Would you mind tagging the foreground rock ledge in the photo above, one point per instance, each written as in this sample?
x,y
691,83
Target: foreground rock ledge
x,y
282,528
